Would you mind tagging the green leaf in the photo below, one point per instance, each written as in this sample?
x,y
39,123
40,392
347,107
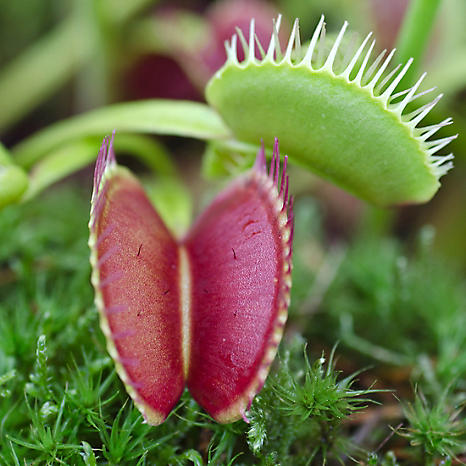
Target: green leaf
x,y
177,118
67,159
60,163
13,180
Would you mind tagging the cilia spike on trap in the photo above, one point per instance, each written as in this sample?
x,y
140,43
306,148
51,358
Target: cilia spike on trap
x,y
335,113
206,311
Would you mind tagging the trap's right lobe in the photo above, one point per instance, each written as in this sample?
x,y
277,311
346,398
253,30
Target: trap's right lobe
x,y
240,253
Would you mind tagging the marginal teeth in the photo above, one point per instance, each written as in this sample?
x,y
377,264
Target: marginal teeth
x,y
352,63
297,42
442,169
333,52
259,46
310,51
421,94
439,144
360,74
232,52
321,47
429,131
252,35
366,77
396,81
274,51
402,105
439,159
292,42
431,144
378,89
242,39
399,94
374,66
416,116
380,72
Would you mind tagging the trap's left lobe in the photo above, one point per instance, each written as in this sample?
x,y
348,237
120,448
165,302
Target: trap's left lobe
x,y
135,266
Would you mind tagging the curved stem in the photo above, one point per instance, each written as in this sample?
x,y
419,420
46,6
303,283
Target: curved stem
x,y
414,34
177,118
73,156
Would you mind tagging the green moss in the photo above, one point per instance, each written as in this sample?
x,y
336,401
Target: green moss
x,y
61,401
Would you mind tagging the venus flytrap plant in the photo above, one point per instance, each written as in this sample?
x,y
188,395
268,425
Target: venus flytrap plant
x,y
179,311
207,310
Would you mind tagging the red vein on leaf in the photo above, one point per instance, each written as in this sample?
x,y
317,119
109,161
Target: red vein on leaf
x,y
115,276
